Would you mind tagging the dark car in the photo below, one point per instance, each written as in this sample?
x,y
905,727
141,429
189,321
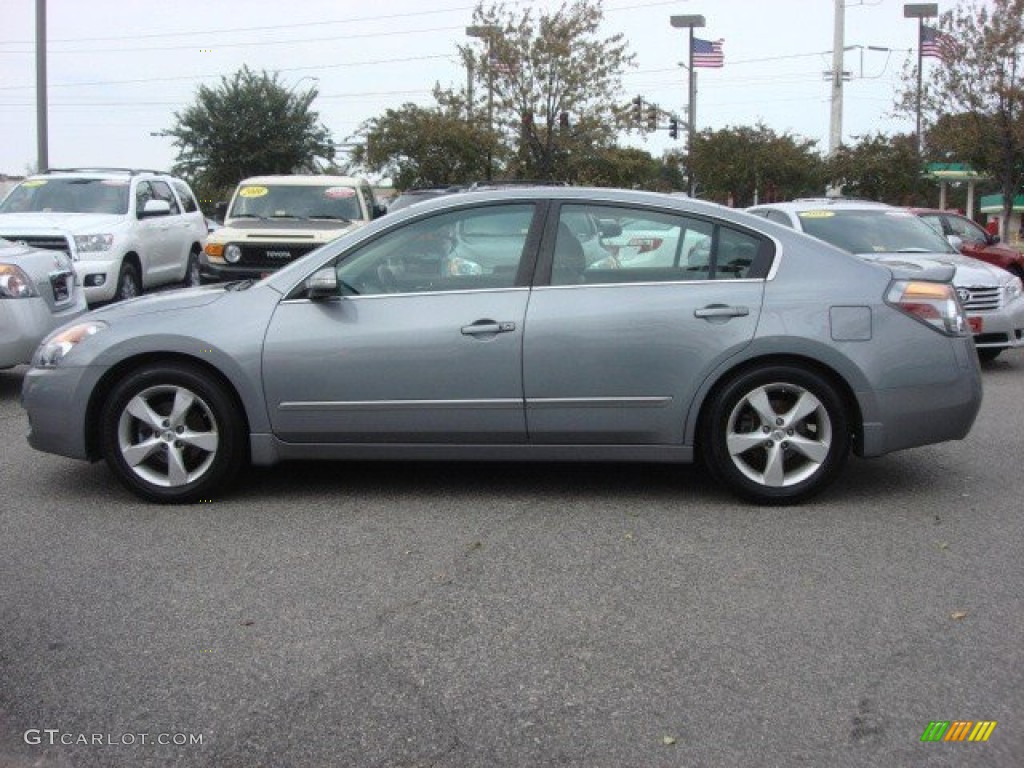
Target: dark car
x,y
974,240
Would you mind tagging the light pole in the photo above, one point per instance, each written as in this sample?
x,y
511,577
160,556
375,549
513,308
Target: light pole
x,y
42,124
689,22
487,32
919,11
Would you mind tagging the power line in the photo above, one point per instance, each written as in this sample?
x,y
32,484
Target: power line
x,y
207,77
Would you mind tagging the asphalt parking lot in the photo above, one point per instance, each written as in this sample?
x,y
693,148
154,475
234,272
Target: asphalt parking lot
x,y
516,615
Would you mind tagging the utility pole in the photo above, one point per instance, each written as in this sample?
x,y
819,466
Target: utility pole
x,y
688,22
835,134
42,140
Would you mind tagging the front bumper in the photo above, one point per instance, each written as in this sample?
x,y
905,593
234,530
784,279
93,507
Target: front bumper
x,y
98,278
26,321
57,401
999,329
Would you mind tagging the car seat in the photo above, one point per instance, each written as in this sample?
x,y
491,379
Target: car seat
x,y
569,259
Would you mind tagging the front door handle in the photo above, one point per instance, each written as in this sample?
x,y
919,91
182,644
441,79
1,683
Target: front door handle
x,y
488,328
721,310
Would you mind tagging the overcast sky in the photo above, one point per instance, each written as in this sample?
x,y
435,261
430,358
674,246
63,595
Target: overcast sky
x,y
119,69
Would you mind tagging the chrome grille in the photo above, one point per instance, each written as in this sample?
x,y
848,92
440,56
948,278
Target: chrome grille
x,y
46,242
979,297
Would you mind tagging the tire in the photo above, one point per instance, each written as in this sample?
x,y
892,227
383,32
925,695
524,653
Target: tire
x,y
776,435
128,284
171,434
193,279
988,354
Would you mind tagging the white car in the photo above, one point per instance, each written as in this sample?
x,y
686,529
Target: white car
x,y
126,230
38,292
273,220
991,296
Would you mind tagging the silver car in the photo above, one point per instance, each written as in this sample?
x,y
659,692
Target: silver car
x,y
991,296
38,292
770,362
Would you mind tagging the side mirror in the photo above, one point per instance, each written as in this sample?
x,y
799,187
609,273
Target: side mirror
x,y
220,211
955,241
993,239
155,208
322,284
379,209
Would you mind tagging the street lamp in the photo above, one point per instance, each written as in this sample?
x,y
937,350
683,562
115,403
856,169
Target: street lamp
x,y
487,32
689,22
919,11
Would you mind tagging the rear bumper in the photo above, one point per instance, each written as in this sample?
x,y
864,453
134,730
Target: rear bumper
x,y
908,417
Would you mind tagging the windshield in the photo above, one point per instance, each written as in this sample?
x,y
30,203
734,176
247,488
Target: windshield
x,y
881,230
68,196
295,202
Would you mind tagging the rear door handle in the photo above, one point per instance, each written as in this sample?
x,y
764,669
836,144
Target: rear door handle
x,y
488,327
721,310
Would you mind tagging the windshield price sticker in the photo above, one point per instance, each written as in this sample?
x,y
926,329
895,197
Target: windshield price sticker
x,y
336,193
253,191
33,183
816,214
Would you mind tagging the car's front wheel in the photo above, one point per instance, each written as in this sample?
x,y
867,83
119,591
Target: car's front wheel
x,y
193,278
128,284
776,435
172,434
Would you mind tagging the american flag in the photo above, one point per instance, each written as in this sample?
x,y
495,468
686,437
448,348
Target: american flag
x,y
937,44
708,53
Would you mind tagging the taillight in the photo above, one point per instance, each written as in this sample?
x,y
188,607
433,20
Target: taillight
x,y
933,304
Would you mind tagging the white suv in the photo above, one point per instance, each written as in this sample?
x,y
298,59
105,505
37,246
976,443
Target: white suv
x,y
273,220
126,230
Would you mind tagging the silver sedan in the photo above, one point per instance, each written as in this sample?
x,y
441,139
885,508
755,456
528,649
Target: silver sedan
x,y
770,361
38,292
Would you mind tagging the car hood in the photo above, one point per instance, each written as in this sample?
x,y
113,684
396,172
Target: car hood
x,y
968,271
183,298
46,223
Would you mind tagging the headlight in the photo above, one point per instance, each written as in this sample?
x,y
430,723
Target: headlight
x,y
232,254
93,243
14,283
1013,289
55,348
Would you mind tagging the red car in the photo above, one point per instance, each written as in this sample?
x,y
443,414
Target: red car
x,y
975,241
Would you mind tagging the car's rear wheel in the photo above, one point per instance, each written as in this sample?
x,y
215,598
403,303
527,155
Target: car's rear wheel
x,y
128,284
776,435
172,434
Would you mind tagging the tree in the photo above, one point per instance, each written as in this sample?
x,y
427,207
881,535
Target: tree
x,y
554,83
879,167
745,163
249,125
980,84
424,147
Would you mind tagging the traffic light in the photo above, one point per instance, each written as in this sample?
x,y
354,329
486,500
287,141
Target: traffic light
x,y
673,127
638,109
652,117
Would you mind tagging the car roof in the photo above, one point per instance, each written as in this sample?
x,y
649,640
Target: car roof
x,y
590,195
305,180
821,203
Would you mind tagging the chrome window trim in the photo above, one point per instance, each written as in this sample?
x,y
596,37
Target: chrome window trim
x,y
360,297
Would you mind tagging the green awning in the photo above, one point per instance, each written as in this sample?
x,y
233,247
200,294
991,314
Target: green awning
x,y
952,172
994,203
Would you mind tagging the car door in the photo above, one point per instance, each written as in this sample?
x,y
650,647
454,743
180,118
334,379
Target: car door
x,y
614,355
420,344
973,239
